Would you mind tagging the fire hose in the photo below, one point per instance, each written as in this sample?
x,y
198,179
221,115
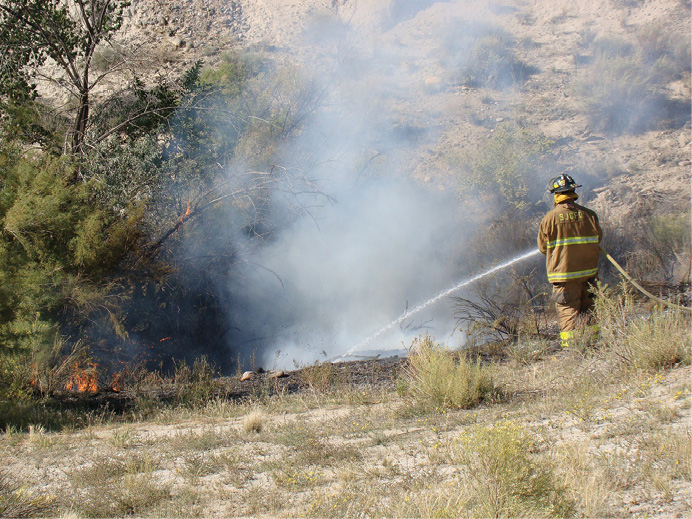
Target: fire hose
x,y
638,286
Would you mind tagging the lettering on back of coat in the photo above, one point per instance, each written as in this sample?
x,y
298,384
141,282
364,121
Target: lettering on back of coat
x,y
572,216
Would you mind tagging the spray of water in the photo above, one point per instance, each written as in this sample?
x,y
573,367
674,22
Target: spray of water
x,y
435,299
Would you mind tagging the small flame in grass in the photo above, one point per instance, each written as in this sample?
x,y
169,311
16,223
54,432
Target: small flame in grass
x,y
83,379
118,383
165,339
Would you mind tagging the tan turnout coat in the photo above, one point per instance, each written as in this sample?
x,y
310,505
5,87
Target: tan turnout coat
x,y
569,236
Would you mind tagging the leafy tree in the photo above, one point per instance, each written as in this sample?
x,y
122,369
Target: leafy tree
x,y
178,184
66,31
57,248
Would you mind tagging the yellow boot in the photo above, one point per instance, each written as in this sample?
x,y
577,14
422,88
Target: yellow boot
x,y
565,338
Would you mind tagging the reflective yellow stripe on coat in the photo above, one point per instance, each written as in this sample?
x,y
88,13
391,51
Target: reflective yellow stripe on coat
x,y
558,277
574,240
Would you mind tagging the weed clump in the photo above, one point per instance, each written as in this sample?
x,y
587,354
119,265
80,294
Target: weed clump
x,y
504,479
662,249
17,501
492,63
642,341
437,378
195,385
484,56
320,376
254,422
621,97
131,495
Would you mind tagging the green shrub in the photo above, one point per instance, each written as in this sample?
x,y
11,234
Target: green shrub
x,y
642,340
15,376
492,63
439,379
231,73
55,246
624,88
505,479
124,176
620,95
656,41
508,167
36,211
662,250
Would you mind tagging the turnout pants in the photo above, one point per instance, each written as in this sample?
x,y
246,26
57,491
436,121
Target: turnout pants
x,y
574,305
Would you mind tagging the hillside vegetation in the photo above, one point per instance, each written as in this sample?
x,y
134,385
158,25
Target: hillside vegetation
x,y
193,190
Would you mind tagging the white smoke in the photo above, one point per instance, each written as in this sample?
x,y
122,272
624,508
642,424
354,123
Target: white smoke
x,y
337,278
380,244
385,238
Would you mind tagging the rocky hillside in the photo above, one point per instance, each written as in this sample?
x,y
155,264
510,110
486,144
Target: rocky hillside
x,y
420,44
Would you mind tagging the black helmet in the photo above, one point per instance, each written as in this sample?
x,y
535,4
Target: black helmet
x,y
561,184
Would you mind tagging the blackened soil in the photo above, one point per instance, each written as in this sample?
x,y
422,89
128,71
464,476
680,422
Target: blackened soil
x,y
373,373
325,377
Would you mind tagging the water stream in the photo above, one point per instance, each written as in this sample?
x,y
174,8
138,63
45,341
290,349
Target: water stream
x,y
435,299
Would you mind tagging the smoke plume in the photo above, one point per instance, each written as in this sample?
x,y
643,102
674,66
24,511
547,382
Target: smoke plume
x,y
371,241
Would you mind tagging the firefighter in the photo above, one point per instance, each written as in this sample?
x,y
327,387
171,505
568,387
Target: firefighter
x,y
569,236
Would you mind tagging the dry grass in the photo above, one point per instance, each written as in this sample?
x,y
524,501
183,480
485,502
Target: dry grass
x,y
569,437
439,379
17,501
253,422
321,376
575,433
642,341
505,478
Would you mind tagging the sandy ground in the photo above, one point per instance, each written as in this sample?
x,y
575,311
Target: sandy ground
x,y
320,455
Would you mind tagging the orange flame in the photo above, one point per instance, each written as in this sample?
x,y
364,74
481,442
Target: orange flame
x,y
118,383
83,379
34,375
186,213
